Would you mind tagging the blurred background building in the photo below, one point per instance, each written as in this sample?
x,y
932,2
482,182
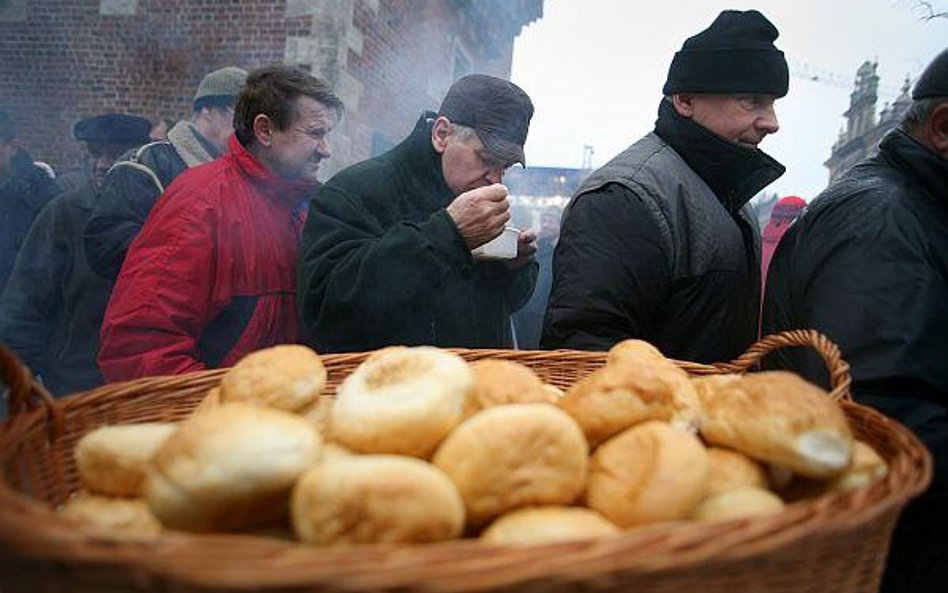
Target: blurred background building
x,y
388,60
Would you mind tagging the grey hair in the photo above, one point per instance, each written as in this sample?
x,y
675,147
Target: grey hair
x,y
464,133
919,112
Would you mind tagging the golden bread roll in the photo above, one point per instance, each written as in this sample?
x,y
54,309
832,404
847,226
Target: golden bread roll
x,y
210,401
729,470
287,377
375,499
319,414
554,392
541,525
634,348
402,401
650,472
230,468
111,460
635,389
776,416
499,382
740,502
513,456
119,517
865,468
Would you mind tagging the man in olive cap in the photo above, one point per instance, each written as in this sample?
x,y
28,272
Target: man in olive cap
x,y
660,244
134,183
52,306
386,252
867,265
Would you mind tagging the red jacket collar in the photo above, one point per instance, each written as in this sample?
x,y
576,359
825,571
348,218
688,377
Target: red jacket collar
x,y
274,186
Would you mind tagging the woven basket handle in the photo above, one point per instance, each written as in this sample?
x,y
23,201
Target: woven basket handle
x,y
26,392
837,368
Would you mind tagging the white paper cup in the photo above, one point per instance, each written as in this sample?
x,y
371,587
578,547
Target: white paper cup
x,y
504,246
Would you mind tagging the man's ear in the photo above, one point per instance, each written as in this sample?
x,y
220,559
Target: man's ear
x,y
937,129
263,129
684,104
441,131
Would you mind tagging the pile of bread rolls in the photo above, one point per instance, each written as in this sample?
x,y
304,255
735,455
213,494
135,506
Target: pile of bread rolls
x,y
420,446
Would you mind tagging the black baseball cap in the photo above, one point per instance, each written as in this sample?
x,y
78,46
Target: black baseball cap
x,y
933,82
498,110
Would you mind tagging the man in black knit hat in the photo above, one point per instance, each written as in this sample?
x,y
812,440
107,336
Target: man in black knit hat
x,y
660,244
866,265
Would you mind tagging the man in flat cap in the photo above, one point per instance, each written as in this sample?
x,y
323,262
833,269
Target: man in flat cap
x,y
24,189
51,308
212,275
867,265
660,244
386,252
134,183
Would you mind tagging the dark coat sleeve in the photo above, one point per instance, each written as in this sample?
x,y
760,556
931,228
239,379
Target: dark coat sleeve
x,y
363,282
610,272
126,197
32,298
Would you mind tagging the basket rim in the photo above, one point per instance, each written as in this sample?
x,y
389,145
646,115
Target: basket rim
x,y
42,534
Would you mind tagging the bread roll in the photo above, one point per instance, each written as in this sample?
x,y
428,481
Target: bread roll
x,y
319,414
402,401
633,348
865,468
741,502
118,517
543,525
729,470
632,390
650,472
375,499
777,417
230,468
111,460
513,456
287,377
499,382
210,401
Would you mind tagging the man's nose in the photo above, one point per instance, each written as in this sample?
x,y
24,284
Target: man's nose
x,y
767,121
322,148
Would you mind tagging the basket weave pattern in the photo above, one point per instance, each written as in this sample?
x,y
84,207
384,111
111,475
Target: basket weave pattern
x,y
835,543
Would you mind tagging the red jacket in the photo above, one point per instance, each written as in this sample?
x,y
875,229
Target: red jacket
x,y
212,276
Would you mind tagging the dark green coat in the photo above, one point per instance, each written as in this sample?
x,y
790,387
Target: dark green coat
x,y
382,263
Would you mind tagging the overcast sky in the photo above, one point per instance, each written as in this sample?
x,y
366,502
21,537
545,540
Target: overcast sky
x,y
595,69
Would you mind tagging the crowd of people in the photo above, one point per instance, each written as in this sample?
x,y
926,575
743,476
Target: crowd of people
x,y
185,253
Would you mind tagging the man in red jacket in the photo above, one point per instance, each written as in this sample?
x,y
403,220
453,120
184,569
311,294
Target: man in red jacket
x,y
212,276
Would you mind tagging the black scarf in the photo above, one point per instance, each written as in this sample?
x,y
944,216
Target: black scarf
x,y
734,173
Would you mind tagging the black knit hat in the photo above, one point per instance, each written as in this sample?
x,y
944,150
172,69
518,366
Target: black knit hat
x,y
497,109
934,80
736,54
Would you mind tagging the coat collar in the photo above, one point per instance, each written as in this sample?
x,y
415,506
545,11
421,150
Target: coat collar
x,y
287,192
423,162
193,148
926,167
733,172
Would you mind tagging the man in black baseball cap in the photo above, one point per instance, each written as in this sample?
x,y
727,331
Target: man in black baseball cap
x,y
660,244
865,266
107,137
51,309
386,255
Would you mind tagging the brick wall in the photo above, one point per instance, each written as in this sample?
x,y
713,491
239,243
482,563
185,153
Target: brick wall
x,y
61,60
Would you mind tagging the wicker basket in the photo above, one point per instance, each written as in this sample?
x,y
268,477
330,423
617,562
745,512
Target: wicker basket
x,y
835,543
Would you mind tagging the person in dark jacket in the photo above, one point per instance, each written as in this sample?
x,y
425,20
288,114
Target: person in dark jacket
x,y
660,244
133,184
386,252
867,265
24,190
51,309
212,276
